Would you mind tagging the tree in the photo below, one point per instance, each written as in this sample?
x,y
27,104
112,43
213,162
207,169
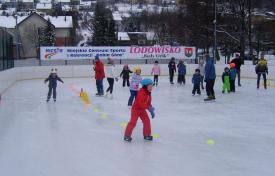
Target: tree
x,y
47,35
4,6
104,28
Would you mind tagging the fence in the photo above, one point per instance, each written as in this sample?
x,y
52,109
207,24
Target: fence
x,y
6,50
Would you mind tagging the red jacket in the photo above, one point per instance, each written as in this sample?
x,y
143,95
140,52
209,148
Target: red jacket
x,y
143,100
99,70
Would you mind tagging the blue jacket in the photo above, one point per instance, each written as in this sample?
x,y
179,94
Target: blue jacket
x,y
233,73
53,78
196,78
182,69
210,72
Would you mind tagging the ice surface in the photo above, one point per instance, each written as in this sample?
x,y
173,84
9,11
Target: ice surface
x,y
233,136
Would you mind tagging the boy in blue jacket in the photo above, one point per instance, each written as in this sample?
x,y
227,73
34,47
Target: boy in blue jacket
x,y
53,78
181,72
196,80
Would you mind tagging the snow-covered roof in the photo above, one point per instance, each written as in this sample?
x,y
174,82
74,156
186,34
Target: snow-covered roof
x,y
45,1
66,8
43,6
149,35
27,1
85,3
117,16
58,22
61,21
123,36
63,1
10,22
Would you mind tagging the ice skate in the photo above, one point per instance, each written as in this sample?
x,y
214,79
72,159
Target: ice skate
x,y
148,138
127,139
54,100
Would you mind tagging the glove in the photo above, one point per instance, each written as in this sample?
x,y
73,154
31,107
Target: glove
x,y
116,79
152,112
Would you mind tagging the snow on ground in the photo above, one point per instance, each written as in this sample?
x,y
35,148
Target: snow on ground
x,y
69,138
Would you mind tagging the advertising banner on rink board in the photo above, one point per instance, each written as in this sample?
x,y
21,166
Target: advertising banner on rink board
x,y
128,52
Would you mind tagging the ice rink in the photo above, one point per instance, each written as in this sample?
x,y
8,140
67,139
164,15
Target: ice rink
x,y
233,136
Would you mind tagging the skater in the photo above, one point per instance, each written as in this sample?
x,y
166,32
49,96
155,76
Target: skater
x,y
232,77
238,63
134,85
196,80
181,72
125,74
142,102
99,76
111,76
53,78
201,68
210,76
156,72
226,80
261,69
172,69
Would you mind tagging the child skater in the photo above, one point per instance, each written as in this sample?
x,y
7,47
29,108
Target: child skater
x,y
196,80
142,102
53,78
226,80
134,86
111,76
233,73
125,74
156,72
181,72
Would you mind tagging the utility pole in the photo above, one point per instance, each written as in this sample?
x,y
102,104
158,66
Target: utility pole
x,y
250,31
215,32
17,37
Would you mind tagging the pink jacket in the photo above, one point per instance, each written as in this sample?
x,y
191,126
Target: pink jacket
x,y
156,70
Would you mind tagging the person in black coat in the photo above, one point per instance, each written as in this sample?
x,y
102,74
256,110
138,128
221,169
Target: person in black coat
x,y
53,78
172,69
238,63
125,74
196,80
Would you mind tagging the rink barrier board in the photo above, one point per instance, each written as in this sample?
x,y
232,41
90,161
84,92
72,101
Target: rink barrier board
x,y
9,77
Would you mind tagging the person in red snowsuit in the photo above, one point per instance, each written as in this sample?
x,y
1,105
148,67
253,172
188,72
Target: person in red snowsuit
x,y
99,76
142,102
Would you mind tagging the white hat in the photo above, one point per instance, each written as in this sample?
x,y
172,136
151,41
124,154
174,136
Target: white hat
x,y
53,70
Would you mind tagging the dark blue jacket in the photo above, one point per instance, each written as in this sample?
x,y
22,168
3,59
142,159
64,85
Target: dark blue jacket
x,y
53,80
233,73
196,78
210,72
181,69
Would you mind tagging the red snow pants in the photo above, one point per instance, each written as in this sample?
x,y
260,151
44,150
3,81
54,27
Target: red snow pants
x,y
135,114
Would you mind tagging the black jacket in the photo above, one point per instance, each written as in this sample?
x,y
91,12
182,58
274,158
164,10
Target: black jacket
x,y
125,74
53,80
172,66
237,62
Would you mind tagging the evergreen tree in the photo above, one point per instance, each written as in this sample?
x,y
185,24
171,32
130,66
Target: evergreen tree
x,y
47,35
104,29
111,32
